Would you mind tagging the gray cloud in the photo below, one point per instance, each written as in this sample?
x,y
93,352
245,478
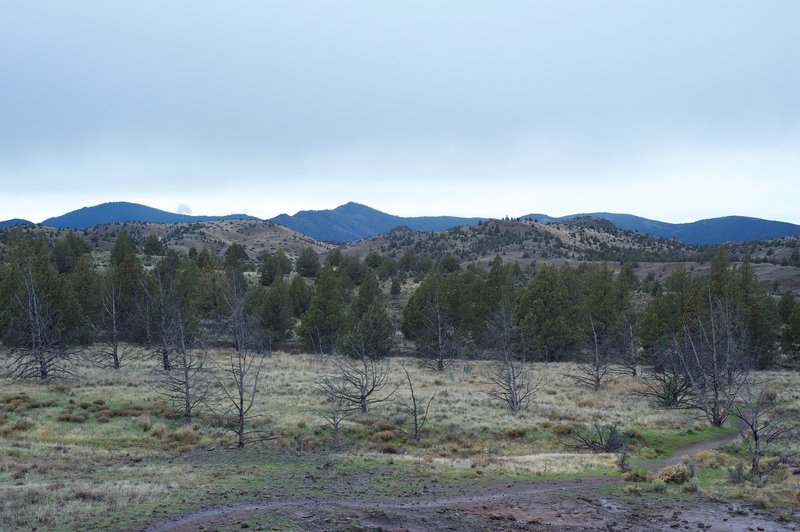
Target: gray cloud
x,y
165,96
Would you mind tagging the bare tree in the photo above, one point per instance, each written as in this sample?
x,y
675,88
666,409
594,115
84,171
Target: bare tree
x,y
418,408
188,383
710,354
336,407
629,354
666,383
601,439
510,381
358,382
114,351
158,310
593,373
763,429
443,345
240,374
44,323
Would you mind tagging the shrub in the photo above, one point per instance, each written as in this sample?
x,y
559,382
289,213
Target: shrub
x,y
602,439
20,425
159,430
390,449
563,429
636,475
144,422
711,458
384,435
737,474
633,434
675,474
385,425
187,434
692,486
515,432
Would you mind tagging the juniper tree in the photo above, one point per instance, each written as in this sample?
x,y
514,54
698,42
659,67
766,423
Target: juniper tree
x,y
42,320
322,322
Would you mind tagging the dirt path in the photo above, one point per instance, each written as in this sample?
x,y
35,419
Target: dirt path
x,y
581,503
656,465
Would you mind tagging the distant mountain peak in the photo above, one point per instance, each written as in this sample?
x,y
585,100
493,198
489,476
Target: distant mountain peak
x,y
123,211
14,222
354,221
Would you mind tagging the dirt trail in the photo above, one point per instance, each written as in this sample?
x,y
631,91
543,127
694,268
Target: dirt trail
x,y
656,465
576,504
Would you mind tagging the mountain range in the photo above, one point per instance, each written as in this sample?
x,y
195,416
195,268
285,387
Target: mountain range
x,y
122,211
353,221
710,231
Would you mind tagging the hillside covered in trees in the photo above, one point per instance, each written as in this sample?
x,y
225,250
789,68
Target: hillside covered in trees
x,y
57,296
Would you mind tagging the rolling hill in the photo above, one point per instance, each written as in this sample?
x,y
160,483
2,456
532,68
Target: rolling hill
x,y
578,239
5,224
353,221
709,231
121,211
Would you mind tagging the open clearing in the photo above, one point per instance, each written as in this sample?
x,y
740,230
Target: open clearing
x,y
104,452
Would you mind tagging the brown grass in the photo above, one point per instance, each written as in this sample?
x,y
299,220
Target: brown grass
x,y
52,437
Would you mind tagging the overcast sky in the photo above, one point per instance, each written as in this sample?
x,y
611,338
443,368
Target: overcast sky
x,y
674,110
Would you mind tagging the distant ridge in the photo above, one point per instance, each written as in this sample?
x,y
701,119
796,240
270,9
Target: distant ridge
x,y
353,221
14,222
122,211
710,231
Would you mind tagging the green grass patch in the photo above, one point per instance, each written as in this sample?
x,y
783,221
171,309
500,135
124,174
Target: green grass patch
x,y
657,444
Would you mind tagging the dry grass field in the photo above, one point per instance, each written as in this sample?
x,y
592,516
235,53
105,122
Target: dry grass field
x,y
105,451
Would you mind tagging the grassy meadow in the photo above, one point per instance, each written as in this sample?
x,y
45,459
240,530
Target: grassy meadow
x,y
105,450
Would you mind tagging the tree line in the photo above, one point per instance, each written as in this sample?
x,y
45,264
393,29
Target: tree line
x,y
54,301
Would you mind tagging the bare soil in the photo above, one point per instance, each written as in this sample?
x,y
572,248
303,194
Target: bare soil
x,y
587,503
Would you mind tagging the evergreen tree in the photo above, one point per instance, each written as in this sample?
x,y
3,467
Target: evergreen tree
x,y
171,291
308,263
67,252
786,306
86,283
394,290
274,308
124,292
41,317
154,246
369,335
301,296
790,338
368,294
273,267
544,313
322,322
207,261
235,257
429,323
124,246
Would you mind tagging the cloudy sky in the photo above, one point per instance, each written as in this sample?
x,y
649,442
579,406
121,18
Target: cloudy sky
x,y
675,110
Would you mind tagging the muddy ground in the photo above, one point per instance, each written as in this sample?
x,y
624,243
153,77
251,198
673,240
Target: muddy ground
x,y
579,504
588,503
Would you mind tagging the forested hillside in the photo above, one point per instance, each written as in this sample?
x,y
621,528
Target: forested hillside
x,y
167,300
